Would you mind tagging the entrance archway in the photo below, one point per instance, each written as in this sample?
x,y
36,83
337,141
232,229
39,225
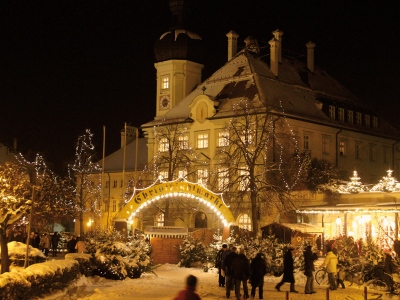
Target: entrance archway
x,y
161,190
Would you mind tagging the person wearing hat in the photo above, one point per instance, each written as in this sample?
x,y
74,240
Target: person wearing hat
x,y
288,270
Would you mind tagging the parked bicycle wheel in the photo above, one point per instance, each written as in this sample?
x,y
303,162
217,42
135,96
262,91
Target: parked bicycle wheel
x,y
321,277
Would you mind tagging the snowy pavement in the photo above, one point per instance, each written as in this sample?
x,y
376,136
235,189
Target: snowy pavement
x,y
169,279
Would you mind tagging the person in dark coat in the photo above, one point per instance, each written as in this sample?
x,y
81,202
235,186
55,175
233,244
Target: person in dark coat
x,y
390,268
189,293
71,244
219,265
55,238
258,269
309,258
229,279
241,273
288,269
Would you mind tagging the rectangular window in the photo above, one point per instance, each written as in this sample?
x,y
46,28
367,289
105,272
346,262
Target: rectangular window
x,y
358,118
375,122
350,117
183,142
114,205
107,184
115,184
332,112
372,152
306,142
182,173
106,205
223,139
122,183
163,145
202,141
164,82
357,150
163,175
244,180
341,114
223,179
202,175
367,120
342,148
326,143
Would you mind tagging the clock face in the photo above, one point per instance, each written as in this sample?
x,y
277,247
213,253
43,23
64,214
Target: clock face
x,y
164,102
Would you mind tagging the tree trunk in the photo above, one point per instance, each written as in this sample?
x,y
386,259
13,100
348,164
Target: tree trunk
x,y
5,263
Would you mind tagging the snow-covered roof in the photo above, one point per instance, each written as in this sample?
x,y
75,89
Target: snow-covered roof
x,y
299,227
296,91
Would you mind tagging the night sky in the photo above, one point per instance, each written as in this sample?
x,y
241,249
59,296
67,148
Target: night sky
x,y
70,65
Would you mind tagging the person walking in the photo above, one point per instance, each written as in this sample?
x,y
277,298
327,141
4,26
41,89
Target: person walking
x,y
54,242
45,244
330,263
219,263
71,244
288,270
229,279
189,293
80,245
390,268
318,241
241,273
309,258
258,269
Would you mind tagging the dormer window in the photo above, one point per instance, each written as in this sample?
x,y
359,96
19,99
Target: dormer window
x,y
358,118
341,114
367,120
350,117
375,122
332,112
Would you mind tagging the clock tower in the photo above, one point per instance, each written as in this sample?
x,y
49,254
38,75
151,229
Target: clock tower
x,y
178,53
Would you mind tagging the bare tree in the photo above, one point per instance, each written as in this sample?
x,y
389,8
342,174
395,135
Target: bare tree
x,y
259,163
84,173
173,158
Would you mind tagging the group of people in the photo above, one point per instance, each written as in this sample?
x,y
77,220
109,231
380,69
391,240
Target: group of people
x,y
235,270
45,242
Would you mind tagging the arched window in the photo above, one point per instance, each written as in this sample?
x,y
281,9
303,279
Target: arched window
x,y
244,221
159,219
201,220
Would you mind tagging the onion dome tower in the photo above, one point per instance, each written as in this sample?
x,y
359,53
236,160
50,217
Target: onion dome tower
x,y
178,54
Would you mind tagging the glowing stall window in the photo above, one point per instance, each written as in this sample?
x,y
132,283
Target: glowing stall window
x,y
360,227
244,221
386,232
338,227
160,219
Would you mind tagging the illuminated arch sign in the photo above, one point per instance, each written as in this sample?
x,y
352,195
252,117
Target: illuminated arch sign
x,y
174,189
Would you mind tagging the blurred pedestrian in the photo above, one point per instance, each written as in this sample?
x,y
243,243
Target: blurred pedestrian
x,y
45,244
219,265
288,270
241,273
55,238
229,279
71,244
309,258
330,263
189,293
258,269
80,245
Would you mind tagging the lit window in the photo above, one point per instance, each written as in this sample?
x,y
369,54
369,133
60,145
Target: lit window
x,y
306,144
244,180
160,219
165,82
350,117
367,120
182,173
223,178
183,142
375,122
244,222
358,118
202,174
163,145
202,141
342,148
332,112
106,205
246,138
341,114
223,139
325,144
163,174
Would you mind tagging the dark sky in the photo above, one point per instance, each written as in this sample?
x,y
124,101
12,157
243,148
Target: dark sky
x,y
70,65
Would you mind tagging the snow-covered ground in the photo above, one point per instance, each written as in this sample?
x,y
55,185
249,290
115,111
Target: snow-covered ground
x,y
169,279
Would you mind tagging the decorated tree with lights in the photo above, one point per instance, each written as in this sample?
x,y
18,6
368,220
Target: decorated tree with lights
x,y
260,160
16,201
84,174
173,160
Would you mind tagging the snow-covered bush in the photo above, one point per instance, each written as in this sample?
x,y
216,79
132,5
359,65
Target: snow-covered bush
x,y
116,257
17,252
192,251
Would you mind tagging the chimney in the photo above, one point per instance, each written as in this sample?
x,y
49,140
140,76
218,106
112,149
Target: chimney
x,y
274,56
278,36
232,44
310,56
